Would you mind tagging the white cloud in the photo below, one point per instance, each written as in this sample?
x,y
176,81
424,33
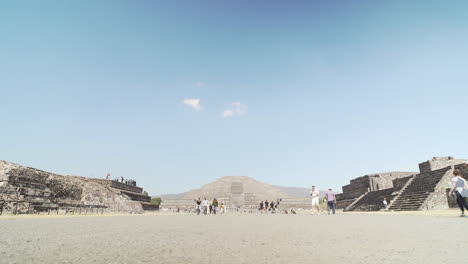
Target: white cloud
x,y
200,84
194,103
228,113
235,109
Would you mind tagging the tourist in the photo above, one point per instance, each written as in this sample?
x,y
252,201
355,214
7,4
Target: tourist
x,y
331,200
385,203
460,188
272,207
215,205
266,206
315,193
206,206
261,207
221,207
108,176
198,202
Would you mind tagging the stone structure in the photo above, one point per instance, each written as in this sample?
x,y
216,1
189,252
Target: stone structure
x,y
438,163
425,190
368,183
135,193
28,190
236,192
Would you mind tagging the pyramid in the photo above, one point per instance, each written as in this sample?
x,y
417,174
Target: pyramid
x,y
233,191
236,185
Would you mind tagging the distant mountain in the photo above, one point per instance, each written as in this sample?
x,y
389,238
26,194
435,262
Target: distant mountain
x,y
171,196
297,192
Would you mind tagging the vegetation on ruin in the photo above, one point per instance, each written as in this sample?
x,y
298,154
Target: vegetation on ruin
x,y
156,201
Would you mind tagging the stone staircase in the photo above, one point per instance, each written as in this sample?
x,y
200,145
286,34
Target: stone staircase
x,y
372,201
418,190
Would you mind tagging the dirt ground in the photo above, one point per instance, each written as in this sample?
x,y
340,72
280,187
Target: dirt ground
x,y
235,238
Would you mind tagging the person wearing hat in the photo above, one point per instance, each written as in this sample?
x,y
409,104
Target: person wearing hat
x,y
331,200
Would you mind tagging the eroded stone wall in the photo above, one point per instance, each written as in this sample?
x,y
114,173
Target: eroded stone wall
x,y
28,190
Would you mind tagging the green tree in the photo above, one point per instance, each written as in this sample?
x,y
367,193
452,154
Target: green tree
x,y
156,201
145,193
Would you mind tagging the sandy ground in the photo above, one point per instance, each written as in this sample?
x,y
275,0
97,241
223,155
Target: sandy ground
x,y
235,238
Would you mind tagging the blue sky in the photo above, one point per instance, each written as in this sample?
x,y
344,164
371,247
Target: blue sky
x,y
316,92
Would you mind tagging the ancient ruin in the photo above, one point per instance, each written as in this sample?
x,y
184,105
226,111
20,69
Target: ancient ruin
x,y
28,190
404,191
236,192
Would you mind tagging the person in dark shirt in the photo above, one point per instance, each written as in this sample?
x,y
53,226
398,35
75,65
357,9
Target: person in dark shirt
x,y
198,205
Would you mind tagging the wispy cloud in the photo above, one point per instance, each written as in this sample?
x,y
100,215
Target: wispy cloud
x,y
193,102
200,84
235,109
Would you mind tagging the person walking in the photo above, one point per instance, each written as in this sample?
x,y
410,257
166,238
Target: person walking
x,y
315,193
331,200
215,205
198,201
266,206
385,203
460,188
206,206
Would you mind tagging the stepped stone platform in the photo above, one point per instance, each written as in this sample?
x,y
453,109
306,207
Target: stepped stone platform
x,y
28,190
426,190
368,183
135,193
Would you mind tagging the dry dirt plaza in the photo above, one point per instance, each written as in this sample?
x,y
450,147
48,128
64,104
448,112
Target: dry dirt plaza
x,y
235,238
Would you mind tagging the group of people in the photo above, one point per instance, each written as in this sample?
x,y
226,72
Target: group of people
x,y
205,207
269,207
122,180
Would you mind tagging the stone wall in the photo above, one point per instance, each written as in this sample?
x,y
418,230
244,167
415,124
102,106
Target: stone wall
x,y
439,163
28,190
382,181
126,187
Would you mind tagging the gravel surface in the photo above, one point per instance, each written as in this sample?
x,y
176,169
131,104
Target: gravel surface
x,y
234,238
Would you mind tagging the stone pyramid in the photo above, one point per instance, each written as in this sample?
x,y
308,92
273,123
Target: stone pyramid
x,y
237,187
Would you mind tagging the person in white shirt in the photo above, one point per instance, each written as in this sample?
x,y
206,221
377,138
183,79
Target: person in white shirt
x,y
385,203
460,188
206,206
315,199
